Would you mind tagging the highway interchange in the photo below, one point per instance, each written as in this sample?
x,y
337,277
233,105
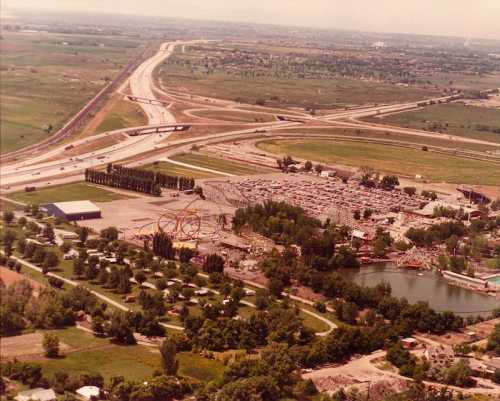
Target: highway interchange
x,y
53,166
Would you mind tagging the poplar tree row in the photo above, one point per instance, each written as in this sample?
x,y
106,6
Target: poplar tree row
x,y
123,181
163,180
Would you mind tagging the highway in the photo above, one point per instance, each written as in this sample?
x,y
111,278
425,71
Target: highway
x,y
54,165
141,86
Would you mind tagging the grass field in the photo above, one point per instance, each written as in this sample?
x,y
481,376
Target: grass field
x,y
218,164
393,136
174,169
186,71
452,119
65,193
133,362
47,77
123,114
389,159
234,116
296,92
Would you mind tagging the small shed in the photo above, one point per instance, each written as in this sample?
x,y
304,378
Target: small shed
x,y
88,392
37,394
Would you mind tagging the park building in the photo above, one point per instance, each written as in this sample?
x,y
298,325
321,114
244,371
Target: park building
x,y
73,211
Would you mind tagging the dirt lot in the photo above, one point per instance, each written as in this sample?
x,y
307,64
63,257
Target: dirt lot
x,y
25,345
482,330
10,277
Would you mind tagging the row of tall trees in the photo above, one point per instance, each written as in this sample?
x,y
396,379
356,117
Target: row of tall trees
x,y
117,180
163,180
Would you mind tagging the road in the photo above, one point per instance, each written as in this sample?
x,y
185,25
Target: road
x,y
141,86
53,166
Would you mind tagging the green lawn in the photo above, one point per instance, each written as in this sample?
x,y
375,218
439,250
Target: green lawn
x,y
390,159
67,192
134,362
174,169
218,164
47,77
451,119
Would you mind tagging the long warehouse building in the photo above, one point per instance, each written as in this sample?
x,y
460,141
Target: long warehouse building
x,y
72,211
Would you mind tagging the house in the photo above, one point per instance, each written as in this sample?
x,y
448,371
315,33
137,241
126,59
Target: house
x,y
360,235
88,392
37,394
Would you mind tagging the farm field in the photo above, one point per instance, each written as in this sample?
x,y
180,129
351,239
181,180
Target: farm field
x,y
65,193
389,159
174,169
234,116
218,164
453,119
47,77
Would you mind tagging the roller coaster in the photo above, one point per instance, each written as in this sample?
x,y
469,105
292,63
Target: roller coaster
x,y
186,224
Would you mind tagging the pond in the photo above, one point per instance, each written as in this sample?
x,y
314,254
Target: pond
x,y
425,286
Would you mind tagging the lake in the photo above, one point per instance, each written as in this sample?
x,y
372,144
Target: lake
x,y
428,286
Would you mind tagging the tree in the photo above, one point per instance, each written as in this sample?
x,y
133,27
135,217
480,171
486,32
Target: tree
x,y
185,254
379,248
109,233
389,182
318,168
356,214
494,340
140,277
162,245
8,217
459,374
169,361
50,260
83,234
213,264
51,345
308,166
410,190
48,232
275,286
120,328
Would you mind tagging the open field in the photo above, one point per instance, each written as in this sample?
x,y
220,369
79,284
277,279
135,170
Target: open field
x,y
46,78
270,75
394,136
92,354
389,159
174,169
10,277
234,116
123,114
319,93
218,164
451,119
67,192
464,81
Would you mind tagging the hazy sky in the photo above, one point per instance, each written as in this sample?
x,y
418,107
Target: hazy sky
x,y
476,18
